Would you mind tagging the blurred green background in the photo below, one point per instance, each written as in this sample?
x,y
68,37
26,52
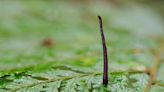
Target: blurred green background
x,y
133,28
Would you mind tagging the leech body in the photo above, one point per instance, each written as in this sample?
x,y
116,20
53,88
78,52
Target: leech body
x,y
105,71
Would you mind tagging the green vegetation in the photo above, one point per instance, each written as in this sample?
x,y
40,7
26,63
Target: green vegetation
x,y
55,46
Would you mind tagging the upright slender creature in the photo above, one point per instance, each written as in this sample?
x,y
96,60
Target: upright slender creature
x,y
105,55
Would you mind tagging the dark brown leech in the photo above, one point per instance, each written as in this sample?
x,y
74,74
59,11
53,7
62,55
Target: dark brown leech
x,y
105,72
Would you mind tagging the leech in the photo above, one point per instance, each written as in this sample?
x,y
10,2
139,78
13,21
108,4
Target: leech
x,y
105,55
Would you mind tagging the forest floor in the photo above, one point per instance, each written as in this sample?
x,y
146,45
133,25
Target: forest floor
x,y
50,46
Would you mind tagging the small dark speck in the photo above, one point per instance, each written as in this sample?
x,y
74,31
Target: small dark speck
x,y
44,86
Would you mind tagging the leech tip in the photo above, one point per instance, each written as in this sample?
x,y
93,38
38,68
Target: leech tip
x,y
99,17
